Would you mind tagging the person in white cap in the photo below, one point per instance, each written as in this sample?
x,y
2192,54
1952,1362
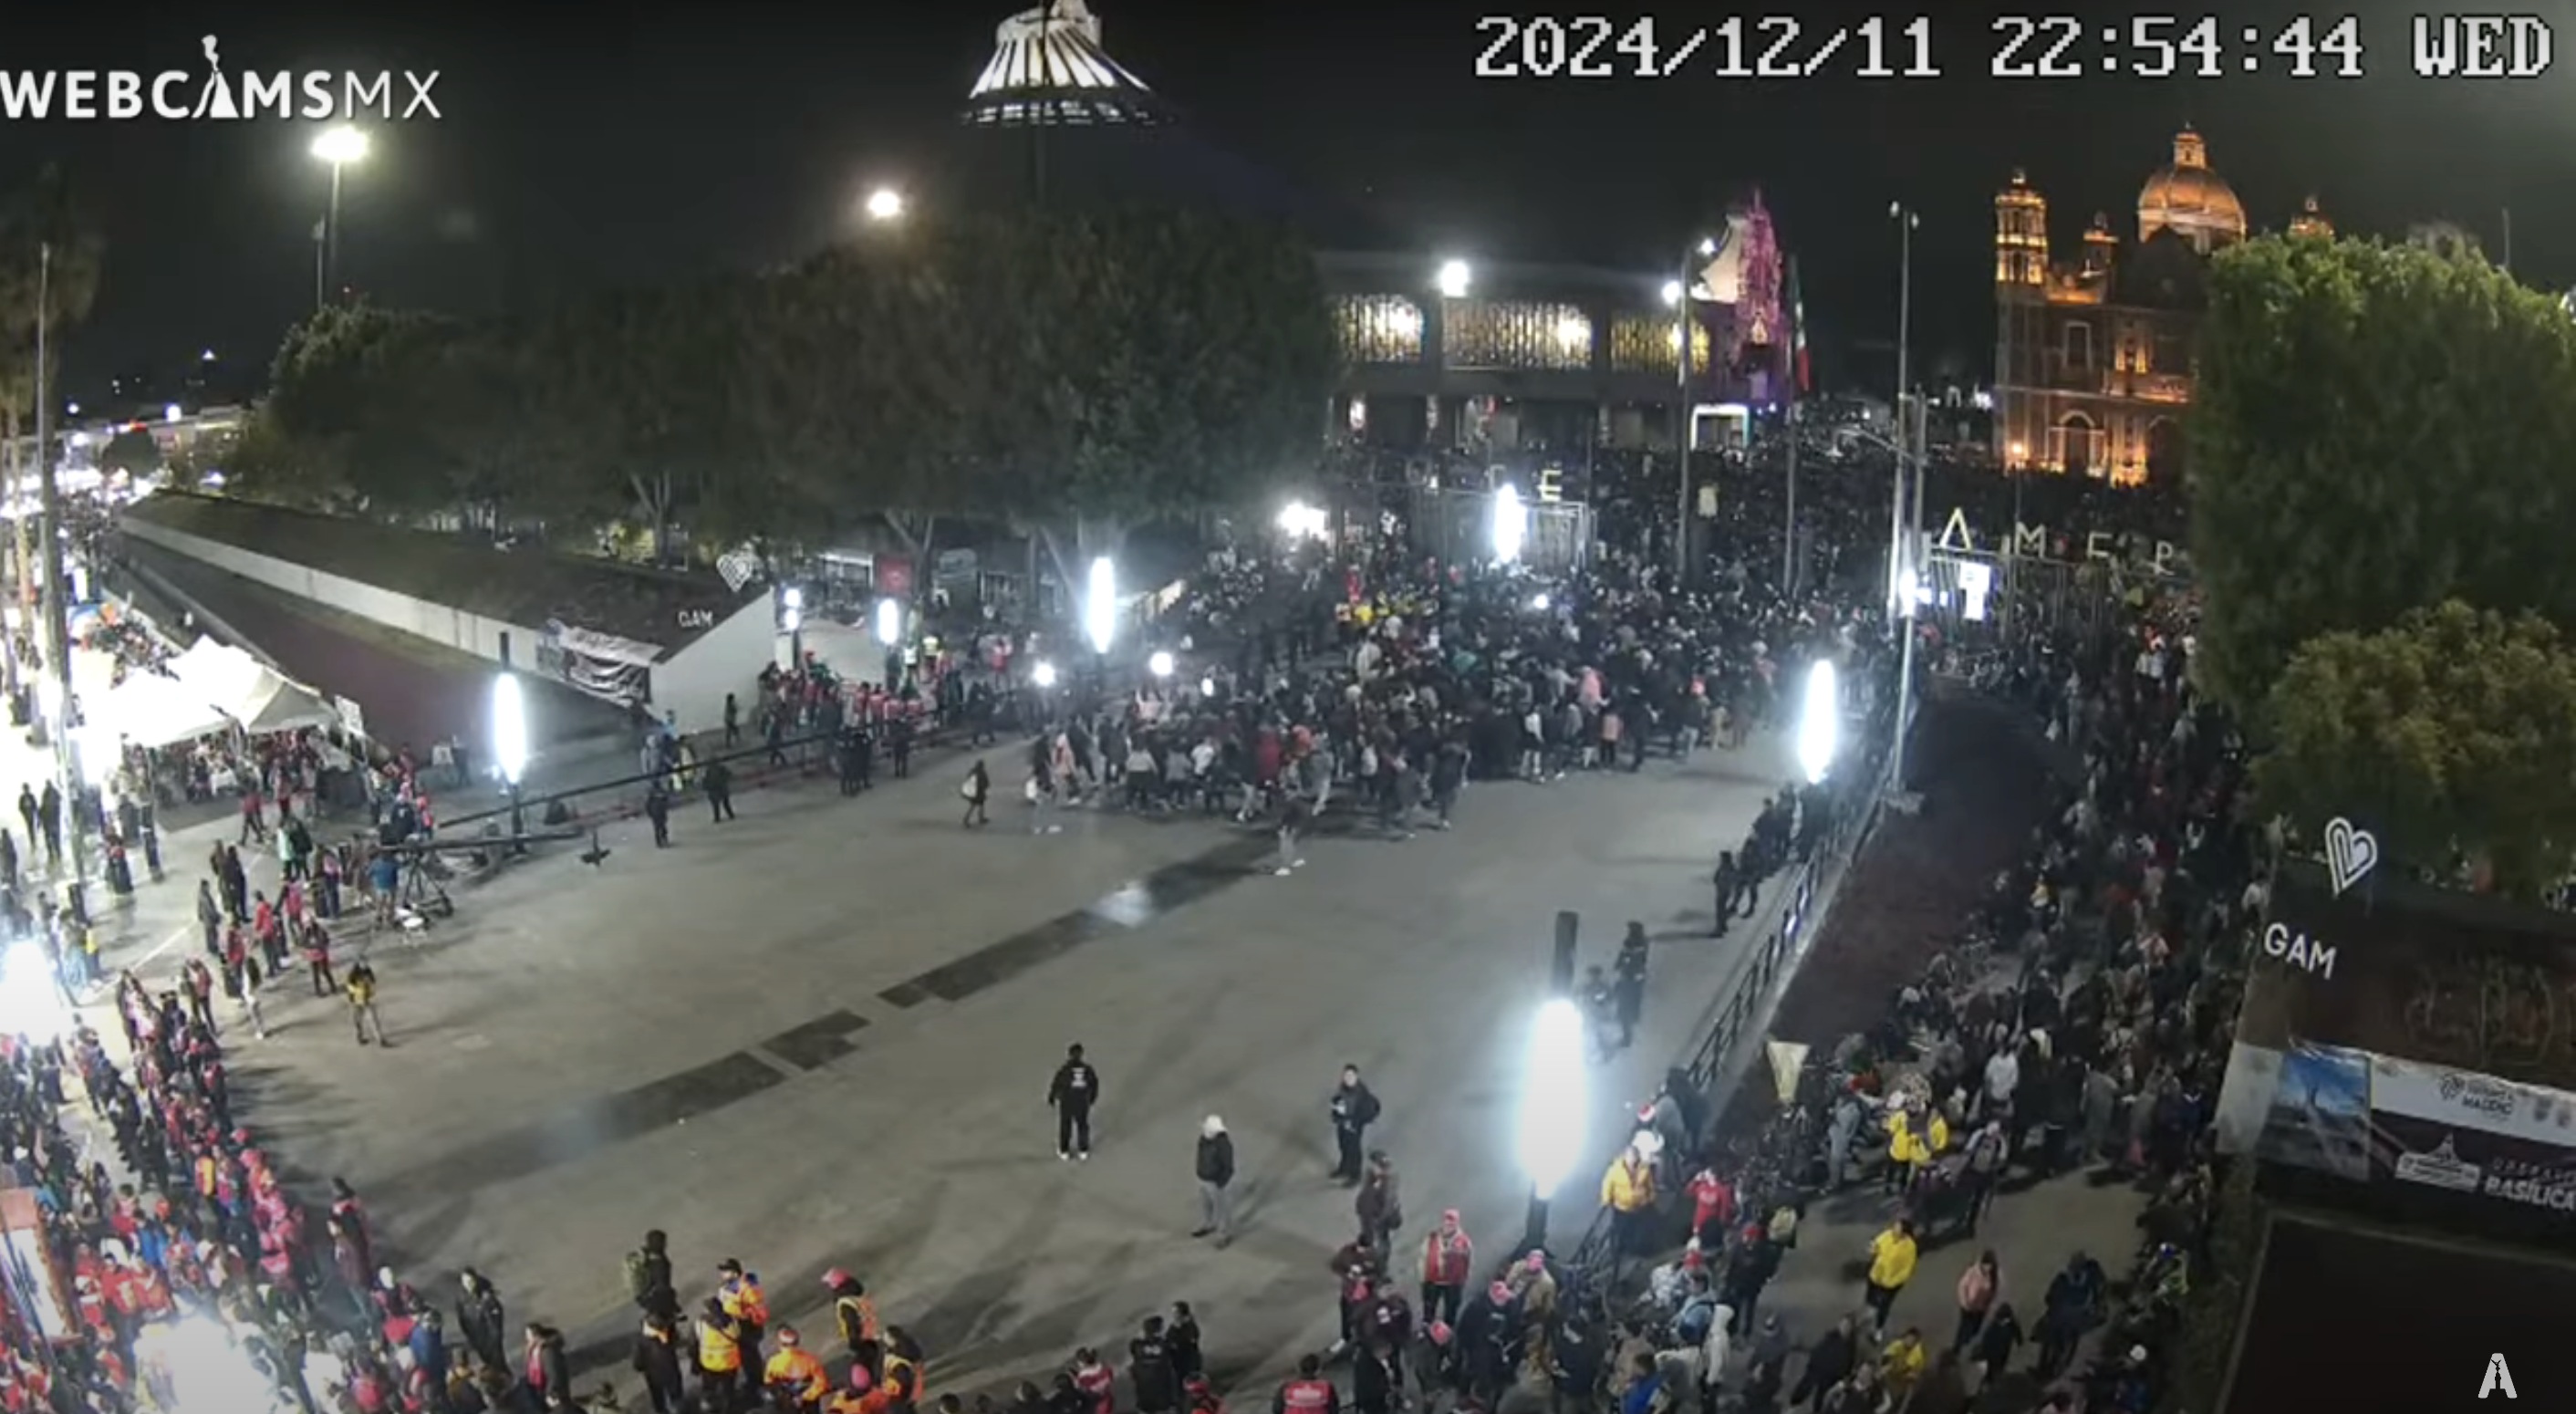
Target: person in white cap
x,y
1216,1181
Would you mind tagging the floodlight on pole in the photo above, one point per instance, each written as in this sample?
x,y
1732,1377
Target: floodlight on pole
x,y
1161,664
336,148
510,747
1511,524
1672,293
1555,1114
889,621
886,204
1456,277
1100,605
1820,721
791,619
1043,674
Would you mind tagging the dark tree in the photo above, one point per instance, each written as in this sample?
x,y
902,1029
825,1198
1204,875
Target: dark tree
x,y
2376,429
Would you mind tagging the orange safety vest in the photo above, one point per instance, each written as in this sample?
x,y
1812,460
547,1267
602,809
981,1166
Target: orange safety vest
x,y
796,1368
744,1302
909,1374
717,1349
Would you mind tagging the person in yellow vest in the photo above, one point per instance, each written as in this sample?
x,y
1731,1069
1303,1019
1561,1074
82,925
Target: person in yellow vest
x,y
1891,1265
853,1309
742,1298
719,1356
1628,1191
903,1361
795,1374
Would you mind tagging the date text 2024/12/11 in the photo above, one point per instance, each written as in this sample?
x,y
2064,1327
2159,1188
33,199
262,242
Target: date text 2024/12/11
x,y
1735,47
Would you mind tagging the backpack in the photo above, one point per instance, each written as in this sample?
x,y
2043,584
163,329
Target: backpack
x,y
639,1275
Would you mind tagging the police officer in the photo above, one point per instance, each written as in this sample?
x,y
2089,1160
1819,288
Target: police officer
x,y
1309,1392
1150,1370
1074,1091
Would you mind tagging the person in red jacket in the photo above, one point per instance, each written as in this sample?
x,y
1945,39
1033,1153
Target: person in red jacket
x,y
1309,1392
1096,1381
1447,1257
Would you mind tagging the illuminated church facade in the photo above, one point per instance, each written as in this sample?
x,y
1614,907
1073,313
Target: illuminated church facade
x,y
2093,355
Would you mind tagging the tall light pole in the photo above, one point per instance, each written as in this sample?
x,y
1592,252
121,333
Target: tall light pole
x,y
57,612
1797,387
1680,293
510,749
1906,220
1909,591
336,148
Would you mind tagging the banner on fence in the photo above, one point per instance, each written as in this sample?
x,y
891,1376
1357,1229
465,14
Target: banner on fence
x,y
1788,1061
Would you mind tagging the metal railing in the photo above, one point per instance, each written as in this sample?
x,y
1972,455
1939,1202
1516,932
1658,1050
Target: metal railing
x,y
1596,1257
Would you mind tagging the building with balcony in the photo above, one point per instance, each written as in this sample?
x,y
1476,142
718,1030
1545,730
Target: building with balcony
x,y
1439,352
2093,355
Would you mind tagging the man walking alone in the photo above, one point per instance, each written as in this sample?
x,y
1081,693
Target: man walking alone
x,y
1075,1089
1216,1179
362,1003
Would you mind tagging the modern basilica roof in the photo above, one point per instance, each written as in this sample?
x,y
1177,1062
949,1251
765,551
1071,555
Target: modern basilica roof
x,y
1048,69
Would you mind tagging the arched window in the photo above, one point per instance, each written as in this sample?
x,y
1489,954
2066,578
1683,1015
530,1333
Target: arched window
x,y
2077,449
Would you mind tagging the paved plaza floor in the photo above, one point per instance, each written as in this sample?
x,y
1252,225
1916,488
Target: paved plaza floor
x,y
822,1035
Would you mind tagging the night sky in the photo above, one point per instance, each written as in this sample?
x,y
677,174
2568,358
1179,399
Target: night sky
x,y
600,145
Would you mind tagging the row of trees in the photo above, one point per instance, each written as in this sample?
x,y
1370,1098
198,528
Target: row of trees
x,y
2382,445
1079,373
46,249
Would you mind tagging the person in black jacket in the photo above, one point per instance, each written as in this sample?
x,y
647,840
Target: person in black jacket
x,y
1216,1178
1075,1089
1150,1372
1354,1109
1187,1359
657,1360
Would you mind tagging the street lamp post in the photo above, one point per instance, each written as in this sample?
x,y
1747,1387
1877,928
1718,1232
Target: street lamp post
x,y
1679,292
1911,591
1100,618
510,749
791,617
1906,221
1555,1110
336,148
890,638
57,612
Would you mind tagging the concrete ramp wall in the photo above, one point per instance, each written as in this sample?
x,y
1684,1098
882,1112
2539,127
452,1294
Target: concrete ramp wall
x,y
454,628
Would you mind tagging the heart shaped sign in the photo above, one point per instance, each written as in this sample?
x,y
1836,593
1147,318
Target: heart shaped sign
x,y
2351,853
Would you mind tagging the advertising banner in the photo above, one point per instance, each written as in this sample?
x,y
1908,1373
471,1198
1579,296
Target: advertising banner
x,y
2473,1134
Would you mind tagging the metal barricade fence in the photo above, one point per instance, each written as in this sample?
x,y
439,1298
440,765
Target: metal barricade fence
x,y
1595,1259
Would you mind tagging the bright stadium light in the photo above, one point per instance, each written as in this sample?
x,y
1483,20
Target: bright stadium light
x,y
1555,1107
1672,293
889,621
1820,722
1511,524
1455,278
32,1004
509,727
1043,674
1161,664
1100,606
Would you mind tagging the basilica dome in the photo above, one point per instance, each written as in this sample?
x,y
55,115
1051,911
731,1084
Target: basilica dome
x,y
2190,200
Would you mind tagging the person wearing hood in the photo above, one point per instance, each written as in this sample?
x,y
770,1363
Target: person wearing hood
x,y
1215,1168
480,1319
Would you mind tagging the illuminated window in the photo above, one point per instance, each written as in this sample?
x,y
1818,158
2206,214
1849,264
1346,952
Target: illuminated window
x,y
1379,328
1644,343
1478,333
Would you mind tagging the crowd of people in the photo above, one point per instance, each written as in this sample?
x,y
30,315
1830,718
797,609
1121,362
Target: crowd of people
x,y
2080,1024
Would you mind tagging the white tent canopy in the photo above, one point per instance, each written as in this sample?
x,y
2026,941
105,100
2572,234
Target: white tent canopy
x,y
148,709
241,691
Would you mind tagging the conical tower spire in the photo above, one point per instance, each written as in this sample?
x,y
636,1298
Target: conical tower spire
x,y
1048,69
